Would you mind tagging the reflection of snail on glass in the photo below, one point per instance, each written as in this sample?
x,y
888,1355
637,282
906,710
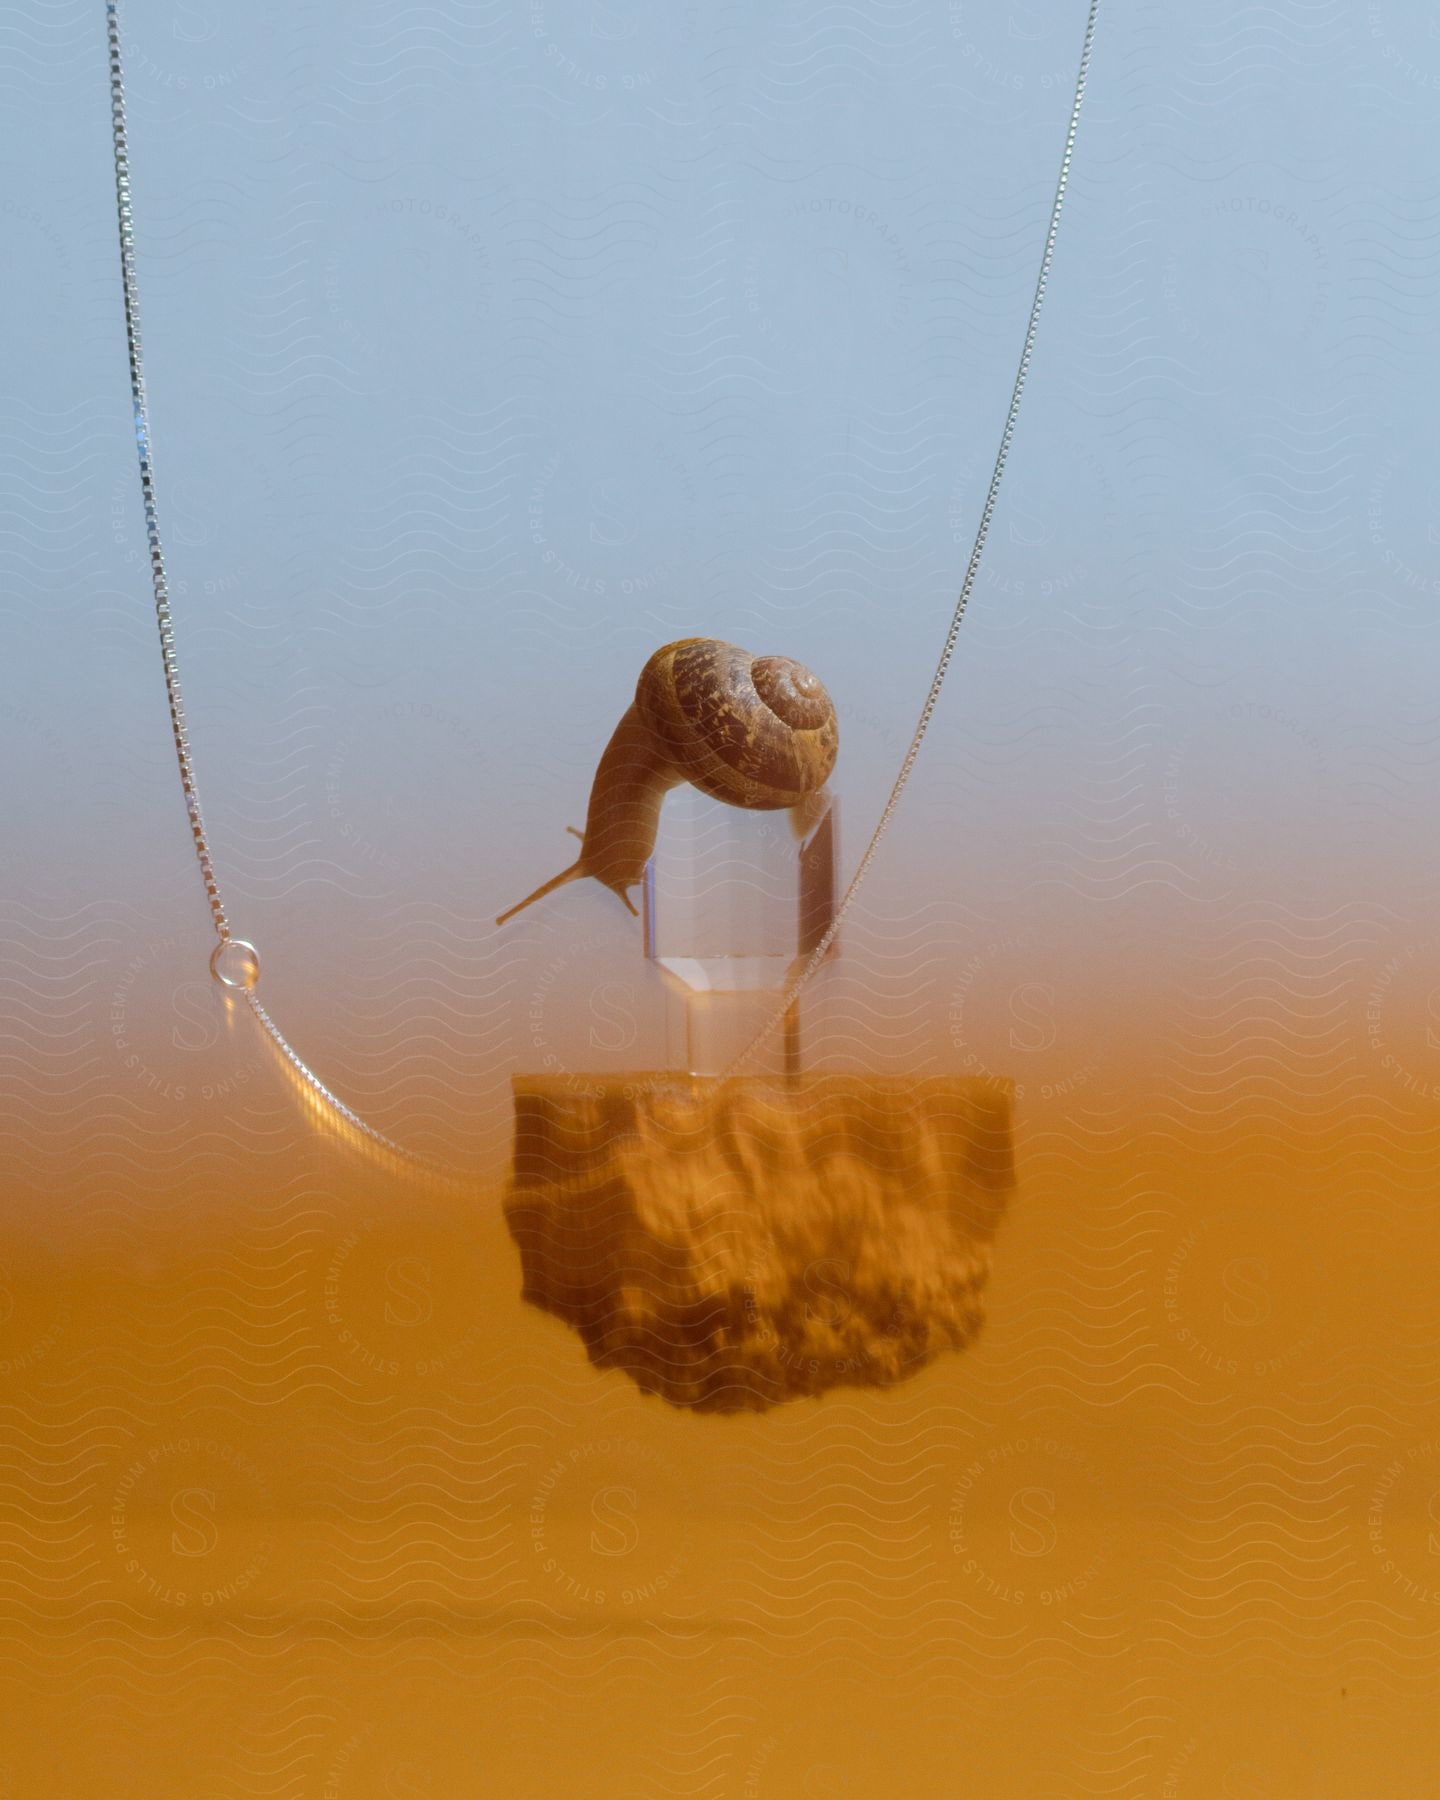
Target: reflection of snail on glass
x,y
757,732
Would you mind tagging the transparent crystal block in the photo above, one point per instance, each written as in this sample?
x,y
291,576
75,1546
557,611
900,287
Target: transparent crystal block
x,y
734,901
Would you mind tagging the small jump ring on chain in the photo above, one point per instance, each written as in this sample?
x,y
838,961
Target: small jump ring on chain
x,y
235,963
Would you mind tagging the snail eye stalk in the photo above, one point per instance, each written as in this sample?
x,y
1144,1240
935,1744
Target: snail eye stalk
x,y
754,732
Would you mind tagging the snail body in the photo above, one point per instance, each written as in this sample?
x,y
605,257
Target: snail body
x,y
752,731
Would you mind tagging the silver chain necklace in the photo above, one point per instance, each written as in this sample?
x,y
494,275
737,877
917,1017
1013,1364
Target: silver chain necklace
x,y
235,962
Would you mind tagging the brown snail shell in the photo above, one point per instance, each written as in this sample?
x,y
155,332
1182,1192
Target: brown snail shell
x,y
753,731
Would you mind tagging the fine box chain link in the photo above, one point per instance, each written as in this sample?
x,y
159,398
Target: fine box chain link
x,y
168,656
972,569
235,962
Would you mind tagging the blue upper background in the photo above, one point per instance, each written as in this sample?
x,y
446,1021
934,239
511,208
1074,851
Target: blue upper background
x,y
491,345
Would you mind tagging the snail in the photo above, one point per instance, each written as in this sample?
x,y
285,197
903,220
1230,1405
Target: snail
x,y
755,731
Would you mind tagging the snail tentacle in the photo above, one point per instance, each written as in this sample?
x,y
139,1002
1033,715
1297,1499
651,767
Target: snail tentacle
x,y
573,873
755,732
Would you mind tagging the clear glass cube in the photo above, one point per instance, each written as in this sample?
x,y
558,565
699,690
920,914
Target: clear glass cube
x,y
734,901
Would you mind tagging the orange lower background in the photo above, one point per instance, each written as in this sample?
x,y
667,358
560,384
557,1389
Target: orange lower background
x,y
300,1500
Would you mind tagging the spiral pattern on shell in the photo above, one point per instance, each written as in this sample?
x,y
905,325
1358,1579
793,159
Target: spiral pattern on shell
x,y
757,732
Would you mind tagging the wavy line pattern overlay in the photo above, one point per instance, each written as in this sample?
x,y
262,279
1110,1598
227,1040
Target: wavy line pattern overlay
x,y
490,347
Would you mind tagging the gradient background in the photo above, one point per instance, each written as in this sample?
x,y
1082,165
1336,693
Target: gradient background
x,y
488,347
